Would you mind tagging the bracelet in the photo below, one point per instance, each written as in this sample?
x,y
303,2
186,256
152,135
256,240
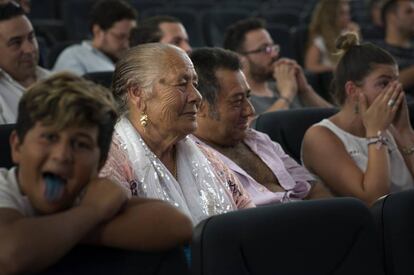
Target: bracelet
x,y
285,99
378,140
407,150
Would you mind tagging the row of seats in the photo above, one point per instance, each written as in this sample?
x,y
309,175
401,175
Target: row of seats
x,y
293,40
205,28
393,217
331,236
236,242
204,21
288,127
52,9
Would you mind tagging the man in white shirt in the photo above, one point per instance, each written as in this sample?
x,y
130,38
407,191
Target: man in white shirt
x,y
19,55
111,24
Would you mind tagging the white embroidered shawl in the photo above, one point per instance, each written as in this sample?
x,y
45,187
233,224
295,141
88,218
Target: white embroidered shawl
x,y
199,192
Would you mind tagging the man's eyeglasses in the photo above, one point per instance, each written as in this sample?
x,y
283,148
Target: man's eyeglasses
x,y
267,49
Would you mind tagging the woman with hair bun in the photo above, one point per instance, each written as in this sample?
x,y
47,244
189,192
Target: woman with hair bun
x,y
366,150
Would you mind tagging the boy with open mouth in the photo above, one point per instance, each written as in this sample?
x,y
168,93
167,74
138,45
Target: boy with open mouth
x,y
53,199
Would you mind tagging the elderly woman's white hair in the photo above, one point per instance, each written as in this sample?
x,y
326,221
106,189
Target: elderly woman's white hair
x,y
138,68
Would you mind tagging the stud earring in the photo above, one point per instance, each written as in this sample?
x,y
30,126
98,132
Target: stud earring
x,y
144,119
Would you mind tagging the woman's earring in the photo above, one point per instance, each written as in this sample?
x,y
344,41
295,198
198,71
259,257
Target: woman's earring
x,y
144,119
356,108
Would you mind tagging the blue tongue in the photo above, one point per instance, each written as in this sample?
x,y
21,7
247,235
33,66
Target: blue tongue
x,y
54,187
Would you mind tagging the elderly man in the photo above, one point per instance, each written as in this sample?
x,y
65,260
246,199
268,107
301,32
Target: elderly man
x,y
398,19
276,83
19,55
163,29
266,172
111,24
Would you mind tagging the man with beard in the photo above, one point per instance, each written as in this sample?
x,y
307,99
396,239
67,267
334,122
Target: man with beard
x,y
111,24
275,83
19,55
398,19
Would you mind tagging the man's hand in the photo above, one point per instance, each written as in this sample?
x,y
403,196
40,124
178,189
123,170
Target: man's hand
x,y
303,85
284,73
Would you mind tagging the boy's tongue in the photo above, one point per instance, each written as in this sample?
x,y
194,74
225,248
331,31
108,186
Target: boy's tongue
x,y
54,187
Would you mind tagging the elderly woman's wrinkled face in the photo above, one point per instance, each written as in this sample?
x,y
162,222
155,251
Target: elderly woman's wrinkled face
x,y
175,100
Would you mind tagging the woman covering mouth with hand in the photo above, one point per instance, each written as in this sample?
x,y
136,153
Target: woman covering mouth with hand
x,y
366,149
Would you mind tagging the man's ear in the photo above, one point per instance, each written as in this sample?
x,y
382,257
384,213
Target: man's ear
x,y
97,32
243,60
15,146
101,163
392,17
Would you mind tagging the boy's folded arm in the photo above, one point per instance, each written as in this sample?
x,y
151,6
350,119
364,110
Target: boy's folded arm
x,y
31,244
145,225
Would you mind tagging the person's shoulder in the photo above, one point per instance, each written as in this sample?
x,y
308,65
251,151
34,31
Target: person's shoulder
x,y
3,174
4,76
393,49
195,139
6,175
261,143
318,40
253,135
320,134
72,48
316,129
321,125
43,73
204,148
76,49
211,154
8,184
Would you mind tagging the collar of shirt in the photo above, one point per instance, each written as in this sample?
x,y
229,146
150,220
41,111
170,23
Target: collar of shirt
x,y
40,74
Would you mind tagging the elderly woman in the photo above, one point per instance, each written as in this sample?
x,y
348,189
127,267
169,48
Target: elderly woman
x,y
151,155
